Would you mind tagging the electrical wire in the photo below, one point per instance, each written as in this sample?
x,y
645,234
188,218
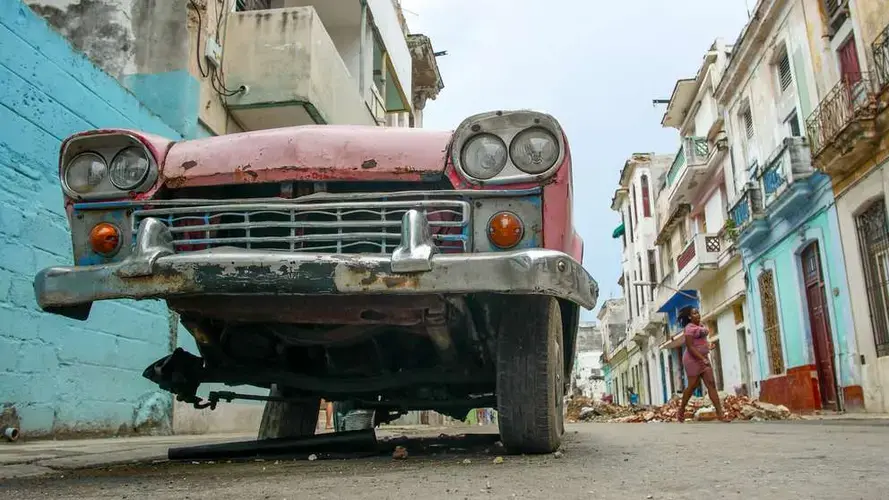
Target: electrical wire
x,y
218,76
194,6
223,91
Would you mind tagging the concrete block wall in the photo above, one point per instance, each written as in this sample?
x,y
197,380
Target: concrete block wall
x,y
64,376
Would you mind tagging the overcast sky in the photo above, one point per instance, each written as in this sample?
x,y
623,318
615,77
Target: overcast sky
x,y
595,65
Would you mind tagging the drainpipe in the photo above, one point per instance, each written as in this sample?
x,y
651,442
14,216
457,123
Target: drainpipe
x,y
362,66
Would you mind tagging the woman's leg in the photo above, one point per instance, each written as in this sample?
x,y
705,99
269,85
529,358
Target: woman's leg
x,y
686,395
710,383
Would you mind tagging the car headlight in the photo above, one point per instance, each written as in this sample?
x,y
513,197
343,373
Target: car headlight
x,y
85,172
534,150
484,156
129,168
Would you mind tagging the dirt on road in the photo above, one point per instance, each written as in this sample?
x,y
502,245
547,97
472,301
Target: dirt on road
x,y
601,460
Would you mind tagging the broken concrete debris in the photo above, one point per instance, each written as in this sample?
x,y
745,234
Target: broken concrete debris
x,y
581,409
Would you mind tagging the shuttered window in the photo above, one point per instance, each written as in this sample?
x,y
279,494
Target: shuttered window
x,y
747,121
784,74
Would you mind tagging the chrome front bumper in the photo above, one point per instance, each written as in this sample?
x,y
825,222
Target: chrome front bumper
x,y
154,271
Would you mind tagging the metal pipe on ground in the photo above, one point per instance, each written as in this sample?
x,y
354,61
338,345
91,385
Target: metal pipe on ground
x,y
10,434
363,441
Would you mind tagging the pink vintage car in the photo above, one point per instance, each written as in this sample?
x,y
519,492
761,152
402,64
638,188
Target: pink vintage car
x,y
390,269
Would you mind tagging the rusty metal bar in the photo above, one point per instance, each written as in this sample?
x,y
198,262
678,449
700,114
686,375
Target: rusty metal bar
x,y
363,441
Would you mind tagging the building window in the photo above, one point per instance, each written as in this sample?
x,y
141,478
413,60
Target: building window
x,y
641,278
836,12
785,77
771,324
652,273
747,122
646,197
873,244
792,124
635,213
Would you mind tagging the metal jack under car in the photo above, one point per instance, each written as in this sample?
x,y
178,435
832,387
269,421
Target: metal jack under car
x,y
450,285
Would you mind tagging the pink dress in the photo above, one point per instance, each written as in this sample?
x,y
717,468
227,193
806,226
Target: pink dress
x,y
694,367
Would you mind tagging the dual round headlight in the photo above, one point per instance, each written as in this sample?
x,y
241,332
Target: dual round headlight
x,y
127,171
533,151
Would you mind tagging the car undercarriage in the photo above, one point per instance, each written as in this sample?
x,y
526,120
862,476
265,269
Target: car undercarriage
x,y
392,353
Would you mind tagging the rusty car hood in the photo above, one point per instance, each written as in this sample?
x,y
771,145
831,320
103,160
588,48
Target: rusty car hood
x,y
309,153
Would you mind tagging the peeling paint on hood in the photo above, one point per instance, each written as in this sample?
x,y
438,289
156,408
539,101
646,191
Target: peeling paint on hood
x,y
309,153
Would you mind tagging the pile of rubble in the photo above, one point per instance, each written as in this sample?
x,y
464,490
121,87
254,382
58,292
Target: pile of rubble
x,y
736,408
582,409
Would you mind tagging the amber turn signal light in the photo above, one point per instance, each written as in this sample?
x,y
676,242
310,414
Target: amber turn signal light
x,y
105,238
505,230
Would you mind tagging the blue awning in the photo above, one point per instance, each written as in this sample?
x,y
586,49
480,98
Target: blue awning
x,y
677,302
618,231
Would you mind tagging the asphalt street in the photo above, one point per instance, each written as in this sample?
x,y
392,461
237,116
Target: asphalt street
x,y
802,459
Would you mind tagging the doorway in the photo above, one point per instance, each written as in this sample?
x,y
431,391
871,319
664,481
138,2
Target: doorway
x,y
819,322
745,361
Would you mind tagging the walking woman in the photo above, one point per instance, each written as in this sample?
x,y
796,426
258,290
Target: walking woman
x,y
695,360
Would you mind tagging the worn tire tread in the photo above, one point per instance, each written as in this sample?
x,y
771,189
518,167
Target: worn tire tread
x,y
529,375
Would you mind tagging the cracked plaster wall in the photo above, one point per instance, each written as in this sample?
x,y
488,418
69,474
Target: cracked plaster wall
x,y
62,376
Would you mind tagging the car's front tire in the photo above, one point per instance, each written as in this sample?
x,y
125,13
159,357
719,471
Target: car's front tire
x,y
530,384
288,419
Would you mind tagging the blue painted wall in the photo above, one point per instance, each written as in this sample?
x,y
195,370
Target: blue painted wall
x,y
780,250
63,375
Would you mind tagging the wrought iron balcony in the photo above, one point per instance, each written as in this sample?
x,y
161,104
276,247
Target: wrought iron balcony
x,y
747,215
784,181
842,128
880,49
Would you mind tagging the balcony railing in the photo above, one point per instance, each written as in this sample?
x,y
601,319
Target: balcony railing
x,y
773,178
789,164
880,49
748,207
698,260
678,162
698,150
849,100
686,256
693,151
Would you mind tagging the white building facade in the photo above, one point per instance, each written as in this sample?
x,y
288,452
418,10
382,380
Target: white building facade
x,y
700,265
588,378
634,200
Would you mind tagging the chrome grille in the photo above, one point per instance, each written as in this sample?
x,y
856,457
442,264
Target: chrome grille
x,y
326,227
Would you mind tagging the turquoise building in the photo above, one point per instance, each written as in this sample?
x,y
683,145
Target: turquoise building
x,y
798,311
